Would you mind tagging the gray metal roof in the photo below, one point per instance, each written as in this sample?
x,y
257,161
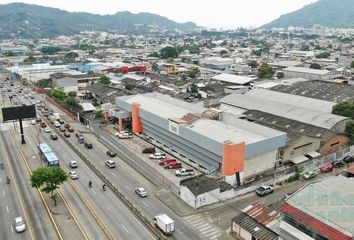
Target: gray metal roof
x,y
330,201
310,113
307,70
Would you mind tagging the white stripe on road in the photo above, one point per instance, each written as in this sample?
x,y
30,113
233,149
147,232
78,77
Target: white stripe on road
x,y
127,187
198,221
210,231
206,229
213,235
108,209
12,229
7,209
199,227
124,228
3,192
192,217
113,174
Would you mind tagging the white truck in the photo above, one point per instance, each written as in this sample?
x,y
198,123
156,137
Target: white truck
x,y
157,156
56,115
164,223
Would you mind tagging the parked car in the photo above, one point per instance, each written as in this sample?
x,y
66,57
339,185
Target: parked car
x,y
174,166
56,124
43,125
124,135
66,125
326,168
38,120
162,161
66,134
81,139
264,190
141,192
73,175
71,129
47,129
348,159
337,164
166,164
149,150
110,163
73,164
157,156
169,161
20,224
78,134
53,136
33,121
309,175
185,172
111,154
61,121
62,129
88,145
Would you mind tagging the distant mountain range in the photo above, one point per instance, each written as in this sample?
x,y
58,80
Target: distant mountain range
x,y
33,21
328,13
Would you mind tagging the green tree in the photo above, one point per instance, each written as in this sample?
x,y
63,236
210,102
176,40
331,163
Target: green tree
x,y
253,64
349,129
352,64
223,52
265,71
129,87
155,66
154,54
30,59
323,55
305,47
45,83
104,80
9,54
315,66
168,52
48,180
99,114
72,94
345,109
170,60
50,50
194,72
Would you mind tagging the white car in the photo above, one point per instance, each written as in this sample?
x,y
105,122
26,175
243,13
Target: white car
x,y
157,156
141,192
110,163
57,124
47,129
309,175
73,164
73,175
33,122
20,224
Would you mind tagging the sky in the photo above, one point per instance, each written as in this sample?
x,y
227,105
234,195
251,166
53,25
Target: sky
x,y
225,14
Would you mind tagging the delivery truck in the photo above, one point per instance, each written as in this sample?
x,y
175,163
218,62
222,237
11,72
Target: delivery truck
x,y
164,223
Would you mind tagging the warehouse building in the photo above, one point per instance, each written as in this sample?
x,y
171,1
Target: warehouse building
x,y
308,73
303,109
209,139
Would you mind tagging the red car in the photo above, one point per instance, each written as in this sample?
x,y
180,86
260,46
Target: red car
x,y
166,164
62,129
43,125
67,125
78,135
326,168
162,161
174,165
71,129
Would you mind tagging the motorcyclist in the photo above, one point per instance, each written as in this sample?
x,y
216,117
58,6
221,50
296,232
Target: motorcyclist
x,y
7,180
90,183
2,165
104,187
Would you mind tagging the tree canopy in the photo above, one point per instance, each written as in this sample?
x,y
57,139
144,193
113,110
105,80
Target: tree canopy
x,y
265,71
104,80
45,83
168,52
48,179
194,72
50,50
352,64
345,109
323,55
315,66
349,129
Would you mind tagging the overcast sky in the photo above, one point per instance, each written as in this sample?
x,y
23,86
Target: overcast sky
x,y
209,13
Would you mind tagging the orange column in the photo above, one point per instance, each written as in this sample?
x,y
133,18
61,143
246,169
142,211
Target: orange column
x,y
137,128
120,124
233,158
107,118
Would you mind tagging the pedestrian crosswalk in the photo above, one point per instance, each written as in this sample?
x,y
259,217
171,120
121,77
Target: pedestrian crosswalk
x,y
209,231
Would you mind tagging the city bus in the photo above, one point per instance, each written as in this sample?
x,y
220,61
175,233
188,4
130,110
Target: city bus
x,y
50,159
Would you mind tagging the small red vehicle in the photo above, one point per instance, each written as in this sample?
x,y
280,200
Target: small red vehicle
x,y
162,161
71,129
67,125
326,168
43,125
173,166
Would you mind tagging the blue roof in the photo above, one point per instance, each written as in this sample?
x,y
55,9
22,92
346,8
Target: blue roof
x,y
44,148
84,68
51,157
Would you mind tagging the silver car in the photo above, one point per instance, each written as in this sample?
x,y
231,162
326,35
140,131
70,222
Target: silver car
x,y
20,224
141,192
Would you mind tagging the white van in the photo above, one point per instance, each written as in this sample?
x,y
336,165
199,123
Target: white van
x,y
56,124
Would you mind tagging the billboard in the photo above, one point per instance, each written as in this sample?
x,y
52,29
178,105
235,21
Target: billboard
x,y
21,112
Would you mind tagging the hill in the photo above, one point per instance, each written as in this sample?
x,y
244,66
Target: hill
x,y
33,21
328,13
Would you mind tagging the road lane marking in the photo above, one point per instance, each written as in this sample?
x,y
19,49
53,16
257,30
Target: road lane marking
x,y
12,229
113,174
7,209
124,228
108,209
214,236
3,192
145,203
127,187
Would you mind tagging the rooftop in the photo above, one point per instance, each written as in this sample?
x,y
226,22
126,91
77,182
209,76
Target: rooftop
x,y
203,184
329,201
307,70
327,91
235,79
